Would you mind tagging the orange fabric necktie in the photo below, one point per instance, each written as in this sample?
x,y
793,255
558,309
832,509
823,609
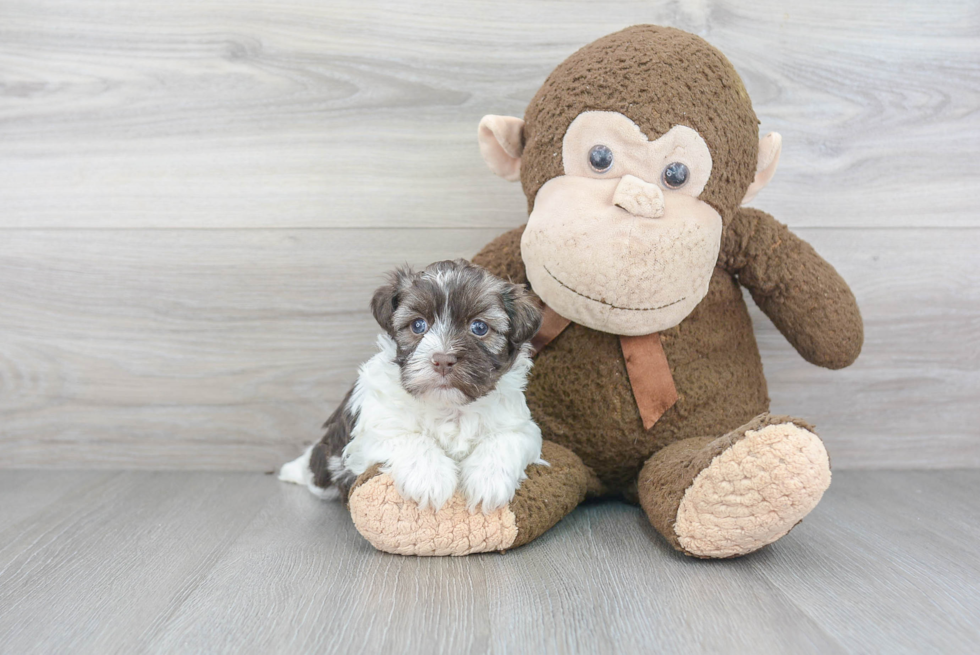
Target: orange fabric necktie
x,y
646,364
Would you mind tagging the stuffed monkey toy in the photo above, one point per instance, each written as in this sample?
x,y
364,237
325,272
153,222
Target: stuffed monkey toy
x,y
637,156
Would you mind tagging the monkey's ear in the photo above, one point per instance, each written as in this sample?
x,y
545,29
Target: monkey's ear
x,y
769,148
385,300
501,144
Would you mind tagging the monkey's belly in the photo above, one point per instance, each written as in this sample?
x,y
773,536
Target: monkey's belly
x,y
580,394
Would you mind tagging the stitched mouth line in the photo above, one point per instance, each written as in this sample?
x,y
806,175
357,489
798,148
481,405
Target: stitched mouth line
x,y
609,304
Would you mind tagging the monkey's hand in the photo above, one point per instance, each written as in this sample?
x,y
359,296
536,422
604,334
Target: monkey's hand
x,y
806,299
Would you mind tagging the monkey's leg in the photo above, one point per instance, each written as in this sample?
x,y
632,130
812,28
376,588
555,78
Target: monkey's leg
x,y
732,495
396,525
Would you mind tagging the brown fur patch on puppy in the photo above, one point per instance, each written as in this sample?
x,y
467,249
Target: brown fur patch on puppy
x,y
337,433
475,324
460,311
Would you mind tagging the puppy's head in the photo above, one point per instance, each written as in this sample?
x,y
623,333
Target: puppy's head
x,y
457,328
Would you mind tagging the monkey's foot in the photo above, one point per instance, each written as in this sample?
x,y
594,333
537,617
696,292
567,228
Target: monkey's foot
x,y
733,495
395,525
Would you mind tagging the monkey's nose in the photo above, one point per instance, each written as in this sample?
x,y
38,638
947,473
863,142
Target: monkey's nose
x,y
639,198
443,363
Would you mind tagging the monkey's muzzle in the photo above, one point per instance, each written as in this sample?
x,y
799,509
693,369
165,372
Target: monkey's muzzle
x,y
639,198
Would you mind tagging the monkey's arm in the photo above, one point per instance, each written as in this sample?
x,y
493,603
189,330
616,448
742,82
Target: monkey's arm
x,y
502,257
798,290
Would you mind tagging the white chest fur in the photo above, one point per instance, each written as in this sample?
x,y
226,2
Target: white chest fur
x,y
432,445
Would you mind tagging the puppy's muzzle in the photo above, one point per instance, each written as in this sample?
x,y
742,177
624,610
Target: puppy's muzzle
x,y
443,363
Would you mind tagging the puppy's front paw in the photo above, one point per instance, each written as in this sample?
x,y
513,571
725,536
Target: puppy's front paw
x,y
488,485
429,481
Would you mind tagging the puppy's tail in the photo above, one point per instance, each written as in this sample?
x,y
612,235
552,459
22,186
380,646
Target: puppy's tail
x,y
320,468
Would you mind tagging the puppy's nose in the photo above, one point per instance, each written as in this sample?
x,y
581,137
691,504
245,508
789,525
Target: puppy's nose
x,y
443,362
639,198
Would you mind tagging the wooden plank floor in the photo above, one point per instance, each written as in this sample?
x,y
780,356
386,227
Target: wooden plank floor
x,y
172,562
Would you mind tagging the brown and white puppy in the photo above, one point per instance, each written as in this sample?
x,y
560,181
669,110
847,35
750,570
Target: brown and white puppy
x,y
441,406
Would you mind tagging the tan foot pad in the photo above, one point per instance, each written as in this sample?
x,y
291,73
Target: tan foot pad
x,y
754,492
396,525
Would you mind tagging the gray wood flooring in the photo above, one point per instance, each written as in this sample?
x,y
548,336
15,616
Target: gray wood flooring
x,y
195,562
197,198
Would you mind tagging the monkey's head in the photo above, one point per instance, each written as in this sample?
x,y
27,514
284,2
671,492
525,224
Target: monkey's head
x,y
634,155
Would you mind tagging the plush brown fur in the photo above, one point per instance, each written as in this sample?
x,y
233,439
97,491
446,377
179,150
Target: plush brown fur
x,y
579,391
712,353
669,473
658,77
580,395
549,492
807,300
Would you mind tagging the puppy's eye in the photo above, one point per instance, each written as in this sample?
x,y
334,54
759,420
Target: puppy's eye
x,y
600,158
479,328
676,174
419,326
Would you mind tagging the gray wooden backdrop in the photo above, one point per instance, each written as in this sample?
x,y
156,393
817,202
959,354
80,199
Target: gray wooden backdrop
x,y
197,198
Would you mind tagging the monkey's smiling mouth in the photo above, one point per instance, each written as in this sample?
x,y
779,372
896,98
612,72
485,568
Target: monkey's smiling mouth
x,y
609,304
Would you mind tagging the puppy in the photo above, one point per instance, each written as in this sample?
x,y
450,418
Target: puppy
x,y
441,407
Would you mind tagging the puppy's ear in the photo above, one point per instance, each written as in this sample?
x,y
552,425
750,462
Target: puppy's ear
x,y
524,313
386,298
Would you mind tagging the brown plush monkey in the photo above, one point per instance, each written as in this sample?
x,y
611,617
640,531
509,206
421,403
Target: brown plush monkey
x,y
636,156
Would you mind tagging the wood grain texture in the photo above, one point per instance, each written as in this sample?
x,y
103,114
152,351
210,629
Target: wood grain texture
x,y
227,349
198,199
24,493
912,399
123,551
363,113
864,542
185,562
200,349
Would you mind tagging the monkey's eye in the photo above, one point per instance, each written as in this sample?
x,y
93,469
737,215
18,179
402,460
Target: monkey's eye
x,y
600,159
676,174
419,326
479,328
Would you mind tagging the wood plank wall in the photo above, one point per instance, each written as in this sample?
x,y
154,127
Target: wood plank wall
x,y
197,198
